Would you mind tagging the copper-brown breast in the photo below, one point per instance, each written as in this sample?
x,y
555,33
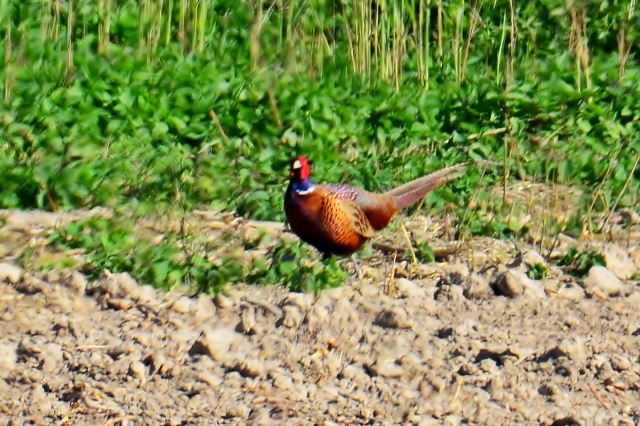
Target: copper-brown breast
x,y
318,219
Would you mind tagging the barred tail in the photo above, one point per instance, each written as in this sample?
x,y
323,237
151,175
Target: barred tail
x,y
409,193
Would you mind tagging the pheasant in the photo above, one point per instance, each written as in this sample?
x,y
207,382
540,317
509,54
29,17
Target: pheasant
x,y
338,219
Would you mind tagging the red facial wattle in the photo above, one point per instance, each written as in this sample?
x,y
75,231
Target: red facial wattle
x,y
305,170
300,169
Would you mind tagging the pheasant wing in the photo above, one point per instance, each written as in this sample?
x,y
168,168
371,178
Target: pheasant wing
x,y
357,219
342,207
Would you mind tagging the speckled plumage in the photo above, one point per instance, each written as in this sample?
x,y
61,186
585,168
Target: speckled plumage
x,y
338,219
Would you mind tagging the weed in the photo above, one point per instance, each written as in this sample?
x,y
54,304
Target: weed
x,y
578,263
537,271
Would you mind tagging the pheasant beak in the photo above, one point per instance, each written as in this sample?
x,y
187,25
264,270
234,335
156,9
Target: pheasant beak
x,y
295,166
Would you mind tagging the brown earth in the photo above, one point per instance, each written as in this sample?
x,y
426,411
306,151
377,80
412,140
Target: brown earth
x,y
470,340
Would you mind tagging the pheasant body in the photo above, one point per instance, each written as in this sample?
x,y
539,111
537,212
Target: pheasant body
x,y
338,219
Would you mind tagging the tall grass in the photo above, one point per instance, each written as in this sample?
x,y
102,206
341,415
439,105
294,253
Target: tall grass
x,y
424,39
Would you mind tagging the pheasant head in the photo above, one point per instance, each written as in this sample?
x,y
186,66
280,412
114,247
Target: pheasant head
x,y
299,176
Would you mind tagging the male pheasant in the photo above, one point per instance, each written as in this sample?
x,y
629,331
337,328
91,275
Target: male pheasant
x,y
337,219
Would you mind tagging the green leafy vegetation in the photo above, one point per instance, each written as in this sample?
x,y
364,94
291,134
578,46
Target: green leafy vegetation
x,y
116,246
537,271
578,263
177,104
167,259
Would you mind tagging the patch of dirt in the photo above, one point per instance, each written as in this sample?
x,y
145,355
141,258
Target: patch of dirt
x,y
470,340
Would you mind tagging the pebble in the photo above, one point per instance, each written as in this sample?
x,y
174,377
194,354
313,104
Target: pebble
x,y
620,363
509,284
205,309
51,357
8,358
218,341
604,283
292,317
78,282
477,286
182,305
137,369
618,261
222,301
408,289
395,317
9,272
247,367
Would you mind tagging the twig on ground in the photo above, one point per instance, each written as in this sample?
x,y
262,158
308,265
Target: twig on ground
x,y
600,400
455,394
391,275
408,241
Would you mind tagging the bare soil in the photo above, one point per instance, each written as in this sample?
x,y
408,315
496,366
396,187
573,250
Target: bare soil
x,y
466,340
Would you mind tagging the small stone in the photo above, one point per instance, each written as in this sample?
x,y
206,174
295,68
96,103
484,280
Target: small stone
x,y
476,287
77,282
508,284
217,342
239,410
618,261
247,367
292,317
301,301
387,369
53,276
620,363
119,304
175,421
136,369
211,379
108,285
204,308
571,292
143,294
318,314
354,372
8,358
369,290
282,382
182,305
408,289
222,301
513,283
395,317
603,282
9,272
51,357
335,293
126,282
247,323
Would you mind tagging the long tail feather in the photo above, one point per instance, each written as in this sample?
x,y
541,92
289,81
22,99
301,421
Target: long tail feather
x,y
409,193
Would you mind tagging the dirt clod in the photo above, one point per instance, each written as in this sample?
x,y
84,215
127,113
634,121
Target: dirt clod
x,y
603,283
